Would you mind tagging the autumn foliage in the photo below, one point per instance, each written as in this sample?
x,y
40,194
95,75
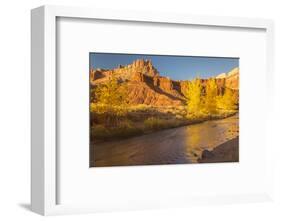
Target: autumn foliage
x,y
113,115
109,101
206,100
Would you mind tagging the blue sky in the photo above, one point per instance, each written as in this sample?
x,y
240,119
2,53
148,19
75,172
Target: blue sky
x,y
175,67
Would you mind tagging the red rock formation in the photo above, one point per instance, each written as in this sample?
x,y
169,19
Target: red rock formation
x,y
165,84
144,67
142,93
138,76
96,74
146,86
231,79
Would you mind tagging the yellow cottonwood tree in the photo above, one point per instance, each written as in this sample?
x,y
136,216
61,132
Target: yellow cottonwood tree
x,y
110,100
107,93
193,95
228,101
211,96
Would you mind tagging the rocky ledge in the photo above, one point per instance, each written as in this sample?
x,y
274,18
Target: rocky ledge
x,y
226,152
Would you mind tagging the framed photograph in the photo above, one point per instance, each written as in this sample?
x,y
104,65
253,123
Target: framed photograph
x,y
157,109
136,110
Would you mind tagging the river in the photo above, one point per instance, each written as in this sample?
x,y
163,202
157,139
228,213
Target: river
x,y
172,146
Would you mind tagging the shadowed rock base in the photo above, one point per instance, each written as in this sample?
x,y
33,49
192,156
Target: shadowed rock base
x,y
226,152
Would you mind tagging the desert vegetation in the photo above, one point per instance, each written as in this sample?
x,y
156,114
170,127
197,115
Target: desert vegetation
x,y
113,115
139,116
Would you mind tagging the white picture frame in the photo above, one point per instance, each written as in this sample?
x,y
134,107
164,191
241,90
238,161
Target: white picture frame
x,y
44,103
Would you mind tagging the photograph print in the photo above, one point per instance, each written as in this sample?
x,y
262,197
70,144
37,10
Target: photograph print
x,y
163,109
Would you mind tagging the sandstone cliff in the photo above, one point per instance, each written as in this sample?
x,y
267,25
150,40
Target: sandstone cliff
x,y
231,79
146,86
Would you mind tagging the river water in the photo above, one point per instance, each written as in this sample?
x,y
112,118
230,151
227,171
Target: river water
x,y
172,146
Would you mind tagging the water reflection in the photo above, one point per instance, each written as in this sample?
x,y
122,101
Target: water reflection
x,y
208,135
173,146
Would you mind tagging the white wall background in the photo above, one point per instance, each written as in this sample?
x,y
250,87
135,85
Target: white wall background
x,y
15,108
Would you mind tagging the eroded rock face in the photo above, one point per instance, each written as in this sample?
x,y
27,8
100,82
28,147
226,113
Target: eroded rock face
x,y
144,89
145,67
146,86
231,79
183,86
138,76
96,74
142,93
165,84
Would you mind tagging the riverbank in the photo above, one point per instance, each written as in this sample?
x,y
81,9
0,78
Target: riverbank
x,y
226,152
182,145
145,121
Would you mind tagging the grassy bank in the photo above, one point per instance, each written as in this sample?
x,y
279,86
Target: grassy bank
x,y
143,119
